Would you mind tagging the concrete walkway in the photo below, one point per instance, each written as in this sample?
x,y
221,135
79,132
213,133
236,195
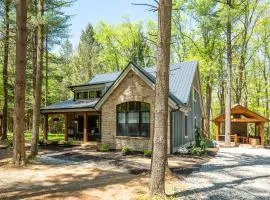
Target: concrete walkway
x,y
235,173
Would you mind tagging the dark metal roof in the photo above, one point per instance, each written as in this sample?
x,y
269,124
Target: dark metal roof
x,y
71,104
181,78
104,78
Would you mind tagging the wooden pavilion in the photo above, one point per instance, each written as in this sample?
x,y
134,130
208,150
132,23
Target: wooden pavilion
x,y
240,117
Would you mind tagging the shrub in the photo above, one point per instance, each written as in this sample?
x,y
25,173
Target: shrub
x,y
54,143
9,142
198,138
203,144
147,153
126,150
41,142
104,148
67,144
197,151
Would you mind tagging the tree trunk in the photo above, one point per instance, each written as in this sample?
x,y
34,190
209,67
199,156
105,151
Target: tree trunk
x,y
19,156
208,105
37,89
157,185
228,83
46,69
5,71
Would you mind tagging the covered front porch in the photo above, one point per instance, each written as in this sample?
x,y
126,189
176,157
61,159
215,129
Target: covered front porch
x,y
240,132
78,126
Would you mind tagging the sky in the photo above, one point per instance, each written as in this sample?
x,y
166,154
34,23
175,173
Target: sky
x,y
110,11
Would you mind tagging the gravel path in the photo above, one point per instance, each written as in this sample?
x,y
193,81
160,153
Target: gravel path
x,y
235,173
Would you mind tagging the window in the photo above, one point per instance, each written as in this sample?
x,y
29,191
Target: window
x,y
186,124
194,94
88,94
133,119
79,95
85,95
195,123
99,93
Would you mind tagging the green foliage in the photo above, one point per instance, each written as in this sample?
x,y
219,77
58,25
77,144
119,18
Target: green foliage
x,y
104,148
126,150
41,142
68,144
198,151
147,153
200,144
198,138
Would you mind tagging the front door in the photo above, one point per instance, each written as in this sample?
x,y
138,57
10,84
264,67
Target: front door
x,y
94,127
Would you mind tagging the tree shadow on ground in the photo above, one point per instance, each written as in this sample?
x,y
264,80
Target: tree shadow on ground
x,y
68,184
237,161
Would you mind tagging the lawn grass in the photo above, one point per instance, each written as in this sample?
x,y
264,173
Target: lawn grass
x,y
51,136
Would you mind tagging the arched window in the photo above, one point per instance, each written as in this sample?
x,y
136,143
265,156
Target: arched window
x,y
133,119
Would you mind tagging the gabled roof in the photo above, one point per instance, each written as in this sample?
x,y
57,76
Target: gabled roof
x,y
181,77
248,116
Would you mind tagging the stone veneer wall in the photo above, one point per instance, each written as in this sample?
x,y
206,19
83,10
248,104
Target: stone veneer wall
x,y
132,88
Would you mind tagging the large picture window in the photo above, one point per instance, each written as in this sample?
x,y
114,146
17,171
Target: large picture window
x,y
133,119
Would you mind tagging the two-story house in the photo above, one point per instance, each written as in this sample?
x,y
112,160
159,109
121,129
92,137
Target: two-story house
x,y
118,108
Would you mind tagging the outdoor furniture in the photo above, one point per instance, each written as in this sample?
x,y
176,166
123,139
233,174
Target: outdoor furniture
x,y
254,141
242,139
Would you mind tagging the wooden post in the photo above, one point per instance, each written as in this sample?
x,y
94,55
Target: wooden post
x,y
235,139
66,127
217,131
262,133
46,128
85,135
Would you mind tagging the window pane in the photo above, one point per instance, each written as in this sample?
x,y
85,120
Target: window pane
x,y
133,118
85,95
122,107
145,107
92,94
134,130
80,95
134,106
121,129
145,117
145,130
99,93
121,118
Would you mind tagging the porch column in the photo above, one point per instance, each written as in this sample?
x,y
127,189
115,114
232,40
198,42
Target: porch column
x,y
46,128
262,133
66,127
217,131
85,135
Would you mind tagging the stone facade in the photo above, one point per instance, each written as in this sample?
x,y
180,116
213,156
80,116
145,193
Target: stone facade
x,y
131,88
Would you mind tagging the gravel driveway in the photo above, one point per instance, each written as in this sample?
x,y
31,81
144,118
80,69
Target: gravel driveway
x,y
235,173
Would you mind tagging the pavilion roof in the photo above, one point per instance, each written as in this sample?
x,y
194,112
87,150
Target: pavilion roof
x,y
244,115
